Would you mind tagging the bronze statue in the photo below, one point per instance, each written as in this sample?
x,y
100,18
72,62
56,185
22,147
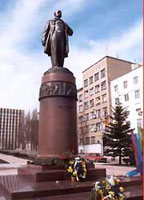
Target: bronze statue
x,y
55,39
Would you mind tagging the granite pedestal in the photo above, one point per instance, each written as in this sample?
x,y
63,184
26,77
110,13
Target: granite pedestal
x,y
57,123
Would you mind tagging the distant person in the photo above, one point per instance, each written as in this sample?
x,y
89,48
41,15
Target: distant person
x,y
55,39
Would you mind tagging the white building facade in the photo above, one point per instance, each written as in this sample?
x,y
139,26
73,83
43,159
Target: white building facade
x,y
129,90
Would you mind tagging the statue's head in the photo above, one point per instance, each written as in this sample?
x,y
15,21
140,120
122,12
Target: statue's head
x,y
58,14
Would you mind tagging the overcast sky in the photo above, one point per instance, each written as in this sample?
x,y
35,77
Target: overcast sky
x,y
101,27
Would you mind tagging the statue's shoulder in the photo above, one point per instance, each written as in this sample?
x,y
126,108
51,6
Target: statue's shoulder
x,y
62,21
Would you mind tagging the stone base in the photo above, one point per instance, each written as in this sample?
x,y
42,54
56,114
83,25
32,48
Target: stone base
x,y
48,173
23,187
48,182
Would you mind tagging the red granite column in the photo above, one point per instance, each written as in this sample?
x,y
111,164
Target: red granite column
x,y
57,125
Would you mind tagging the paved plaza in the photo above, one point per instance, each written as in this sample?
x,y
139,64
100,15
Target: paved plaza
x,y
14,164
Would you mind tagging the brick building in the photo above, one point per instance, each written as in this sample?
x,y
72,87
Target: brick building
x,y
94,101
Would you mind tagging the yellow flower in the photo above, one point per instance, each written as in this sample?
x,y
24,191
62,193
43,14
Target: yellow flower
x,y
117,180
112,193
103,182
75,173
70,170
107,187
121,197
71,162
121,189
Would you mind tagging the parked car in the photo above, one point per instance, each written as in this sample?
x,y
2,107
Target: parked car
x,y
95,157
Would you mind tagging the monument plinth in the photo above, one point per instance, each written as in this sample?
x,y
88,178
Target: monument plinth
x,y
57,122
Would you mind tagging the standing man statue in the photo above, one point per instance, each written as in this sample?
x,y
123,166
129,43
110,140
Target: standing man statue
x,y
55,39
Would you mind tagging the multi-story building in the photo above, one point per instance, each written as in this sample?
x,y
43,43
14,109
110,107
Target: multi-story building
x,y
11,123
94,101
128,89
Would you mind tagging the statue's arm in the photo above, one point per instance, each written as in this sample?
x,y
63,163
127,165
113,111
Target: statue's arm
x,y
68,30
45,33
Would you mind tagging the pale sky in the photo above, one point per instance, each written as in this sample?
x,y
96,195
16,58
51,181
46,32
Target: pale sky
x,y
101,27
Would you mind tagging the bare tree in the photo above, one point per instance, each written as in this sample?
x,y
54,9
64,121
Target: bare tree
x,y
31,130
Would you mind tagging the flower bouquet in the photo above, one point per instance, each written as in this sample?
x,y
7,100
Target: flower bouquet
x,y
108,189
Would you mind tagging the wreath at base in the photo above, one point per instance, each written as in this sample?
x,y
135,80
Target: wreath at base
x,y
77,169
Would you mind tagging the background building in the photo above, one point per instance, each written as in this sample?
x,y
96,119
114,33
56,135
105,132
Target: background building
x,y
11,125
94,101
128,89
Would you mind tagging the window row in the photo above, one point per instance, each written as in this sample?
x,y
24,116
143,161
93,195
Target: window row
x,y
100,126
93,115
96,77
92,91
92,103
126,96
88,140
125,83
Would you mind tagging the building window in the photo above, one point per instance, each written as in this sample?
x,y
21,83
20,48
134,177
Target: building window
x,y
125,84
91,115
80,119
96,76
97,89
87,116
86,94
126,97
103,85
92,127
116,88
104,111
98,126
102,73
86,106
86,129
137,94
139,123
104,98
80,97
139,111
92,103
116,100
87,140
81,141
98,103
91,91
80,108
98,113
135,79
93,140
84,118
86,83
97,99
91,80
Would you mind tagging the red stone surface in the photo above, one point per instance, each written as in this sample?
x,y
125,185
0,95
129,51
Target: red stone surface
x,y
21,187
60,175
57,124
